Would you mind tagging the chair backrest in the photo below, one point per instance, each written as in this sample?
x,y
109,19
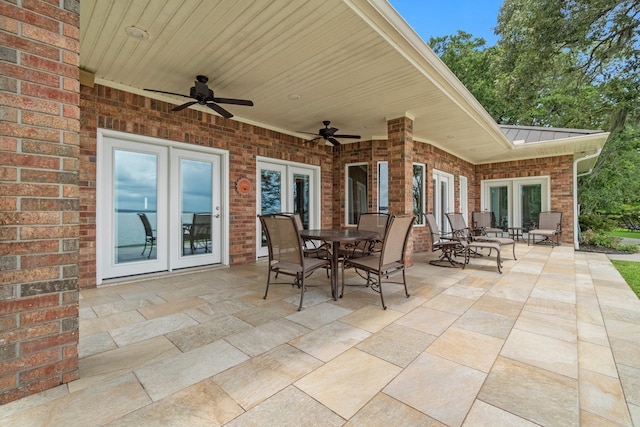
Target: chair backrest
x,y
550,221
283,239
458,225
396,238
201,226
297,217
434,232
148,231
481,219
374,221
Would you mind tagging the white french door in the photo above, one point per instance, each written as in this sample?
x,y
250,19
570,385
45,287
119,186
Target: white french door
x,y
516,202
149,194
286,187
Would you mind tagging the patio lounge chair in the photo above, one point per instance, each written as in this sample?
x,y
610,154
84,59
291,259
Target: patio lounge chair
x,y
446,243
148,233
549,226
471,245
389,261
286,252
459,226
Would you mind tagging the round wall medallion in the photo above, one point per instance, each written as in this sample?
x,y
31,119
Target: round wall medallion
x,y
243,185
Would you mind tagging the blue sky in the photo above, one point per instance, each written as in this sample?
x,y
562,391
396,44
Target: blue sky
x,y
436,18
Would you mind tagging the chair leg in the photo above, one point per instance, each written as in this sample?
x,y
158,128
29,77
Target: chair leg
x,y
145,247
404,280
150,250
384,307
301,291
268,281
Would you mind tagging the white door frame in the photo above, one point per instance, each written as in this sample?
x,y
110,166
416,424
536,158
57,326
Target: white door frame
x,y
513,187
105,140
439,177
288,170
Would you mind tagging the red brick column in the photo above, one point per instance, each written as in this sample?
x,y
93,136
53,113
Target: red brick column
x,y
39,123
400,146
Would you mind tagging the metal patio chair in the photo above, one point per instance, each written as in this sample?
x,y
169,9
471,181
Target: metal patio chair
x,y
286,252
549,227
391,259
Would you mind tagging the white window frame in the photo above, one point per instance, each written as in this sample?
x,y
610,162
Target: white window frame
x,y
347,190
464,197
386,185
420,221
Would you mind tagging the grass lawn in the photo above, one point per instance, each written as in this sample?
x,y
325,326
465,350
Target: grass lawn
x,y
630,271
619,232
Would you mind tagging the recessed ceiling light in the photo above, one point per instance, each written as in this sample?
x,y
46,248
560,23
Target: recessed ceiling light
x,y
294,96
136,33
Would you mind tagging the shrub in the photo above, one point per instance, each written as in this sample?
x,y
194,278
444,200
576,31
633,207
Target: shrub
x,y
596,222
602,240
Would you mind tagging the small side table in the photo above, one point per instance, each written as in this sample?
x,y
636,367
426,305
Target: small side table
x,y
515,233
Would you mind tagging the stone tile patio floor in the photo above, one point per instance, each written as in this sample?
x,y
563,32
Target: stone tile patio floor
x,y
555,341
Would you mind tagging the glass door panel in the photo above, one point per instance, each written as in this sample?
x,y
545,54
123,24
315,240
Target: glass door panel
x,y
271,197
302,198
531,203
131,218
196,229
499,206
135,204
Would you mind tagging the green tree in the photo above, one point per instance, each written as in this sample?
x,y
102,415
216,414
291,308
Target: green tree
x,y
576,63
471,60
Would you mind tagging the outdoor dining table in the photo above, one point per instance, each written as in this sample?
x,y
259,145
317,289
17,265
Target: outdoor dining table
x,y
337,236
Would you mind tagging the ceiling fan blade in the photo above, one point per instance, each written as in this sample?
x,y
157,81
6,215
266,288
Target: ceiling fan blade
x,y
183,106
218,109
347,136
168,93
233,101
333,141
308,133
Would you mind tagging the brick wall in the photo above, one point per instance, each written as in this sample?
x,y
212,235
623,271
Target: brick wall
x,y
39,122
436,158
107,108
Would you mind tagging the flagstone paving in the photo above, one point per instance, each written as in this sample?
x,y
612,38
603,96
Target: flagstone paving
x,y
552,341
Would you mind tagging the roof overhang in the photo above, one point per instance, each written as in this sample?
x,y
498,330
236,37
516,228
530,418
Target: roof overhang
x,y
356,63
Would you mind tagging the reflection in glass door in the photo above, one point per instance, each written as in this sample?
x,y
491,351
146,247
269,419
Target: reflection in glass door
x,y
499,206
197,227
302,197
130,215
135,198
531,201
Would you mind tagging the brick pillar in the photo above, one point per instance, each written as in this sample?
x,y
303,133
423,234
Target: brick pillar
x,y
39,152
400,146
